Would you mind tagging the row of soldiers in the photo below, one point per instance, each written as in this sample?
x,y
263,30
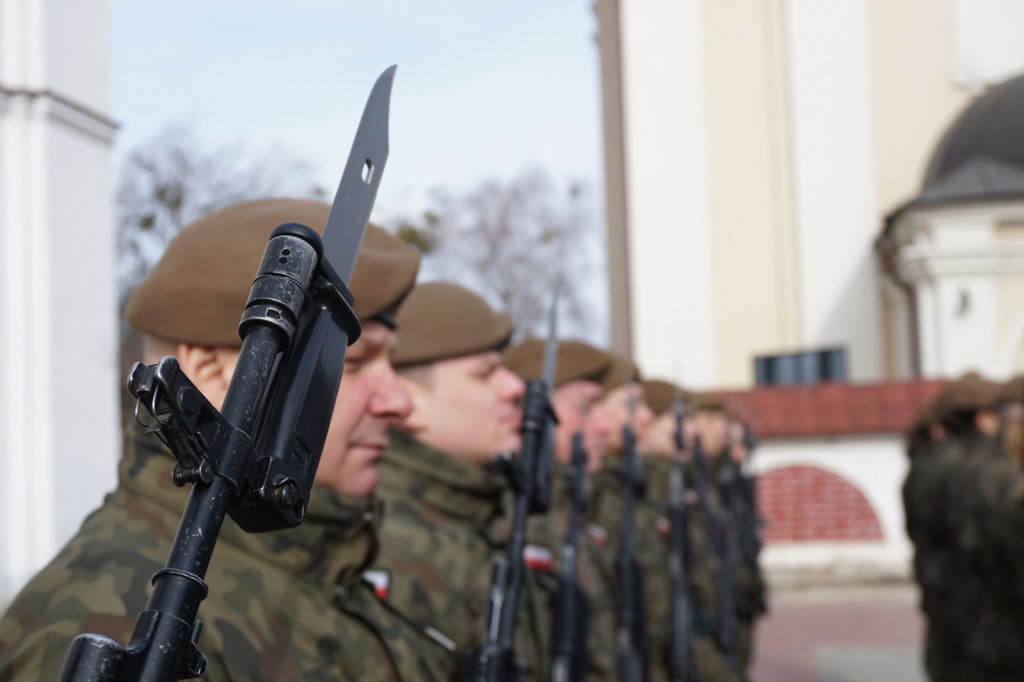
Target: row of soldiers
x,y
389,575
964,501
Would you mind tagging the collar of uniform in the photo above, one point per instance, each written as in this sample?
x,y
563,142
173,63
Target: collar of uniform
x,y
333,544
457,489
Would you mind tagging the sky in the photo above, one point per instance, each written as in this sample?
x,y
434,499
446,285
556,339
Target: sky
x,y
484,89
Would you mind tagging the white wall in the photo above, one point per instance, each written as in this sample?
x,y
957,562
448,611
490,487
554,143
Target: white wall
x,y
876,465
835,211
666,187
59,436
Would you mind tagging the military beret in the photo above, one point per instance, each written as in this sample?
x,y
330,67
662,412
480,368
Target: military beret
x,y
441,320
577,361
969,393
659,395
197,291
621,370
1012,391
711,403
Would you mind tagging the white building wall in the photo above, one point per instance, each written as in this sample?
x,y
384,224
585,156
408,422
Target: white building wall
x,y
836,213
59,438
670,262
877,466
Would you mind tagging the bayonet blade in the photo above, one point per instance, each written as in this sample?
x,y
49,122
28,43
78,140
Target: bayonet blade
x,y
551,348
357,190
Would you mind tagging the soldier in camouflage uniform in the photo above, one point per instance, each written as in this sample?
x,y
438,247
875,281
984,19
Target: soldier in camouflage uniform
x,y
712,419
437,480
624,402
941,496
284,605
660,448
576,400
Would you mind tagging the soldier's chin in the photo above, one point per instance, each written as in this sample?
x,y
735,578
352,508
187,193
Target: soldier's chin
x,y
361,483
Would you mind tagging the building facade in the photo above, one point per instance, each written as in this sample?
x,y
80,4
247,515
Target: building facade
x,y
801,191
59,431
754,151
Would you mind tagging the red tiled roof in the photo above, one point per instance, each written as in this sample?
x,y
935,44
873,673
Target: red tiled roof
x,y
832,409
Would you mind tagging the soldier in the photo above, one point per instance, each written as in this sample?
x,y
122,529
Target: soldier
x,y
284,605
660,447
576,399
437,480
937,497
624,401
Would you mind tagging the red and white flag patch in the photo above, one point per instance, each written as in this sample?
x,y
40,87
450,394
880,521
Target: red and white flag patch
x,y
598,534
537,558
381,581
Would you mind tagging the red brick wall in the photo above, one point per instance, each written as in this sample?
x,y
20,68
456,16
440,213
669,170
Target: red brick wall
x,y
810,504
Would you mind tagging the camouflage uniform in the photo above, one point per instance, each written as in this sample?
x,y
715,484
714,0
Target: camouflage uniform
x,y
749,596
983,489
650,549
545,535
436,546
285,605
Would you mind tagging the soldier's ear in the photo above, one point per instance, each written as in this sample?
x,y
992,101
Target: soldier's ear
x,y
209,368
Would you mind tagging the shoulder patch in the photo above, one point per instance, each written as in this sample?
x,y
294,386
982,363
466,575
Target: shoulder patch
x,y
537,558
691,498
380,580
598,534
664,526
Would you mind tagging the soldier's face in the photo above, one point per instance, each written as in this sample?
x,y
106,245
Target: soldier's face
x,y
617,404
712,427
579,408
370,399
467,407
660,438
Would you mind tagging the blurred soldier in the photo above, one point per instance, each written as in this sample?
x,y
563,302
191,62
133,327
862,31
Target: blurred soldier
x,y
725,445
660,448
283,605
576,399
624,402
437,480
938,494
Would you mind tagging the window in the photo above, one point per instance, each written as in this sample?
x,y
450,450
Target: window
x,y
808,367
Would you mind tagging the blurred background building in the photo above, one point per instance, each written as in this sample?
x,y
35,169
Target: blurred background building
x,y
821,203
59,430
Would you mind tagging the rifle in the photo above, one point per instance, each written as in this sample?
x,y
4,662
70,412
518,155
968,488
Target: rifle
x,y
529,476
632,634
256,458
681,647
725,627
739,484
570,613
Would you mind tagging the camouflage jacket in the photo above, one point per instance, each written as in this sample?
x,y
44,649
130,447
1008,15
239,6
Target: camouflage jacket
x,y
436,547
546,535
290,605
650,547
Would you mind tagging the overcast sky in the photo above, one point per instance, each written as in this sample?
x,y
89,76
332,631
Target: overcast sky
x,y
485,88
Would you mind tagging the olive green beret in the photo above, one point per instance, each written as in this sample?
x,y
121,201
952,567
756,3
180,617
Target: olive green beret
x,y
659,395
1012,391
197,291
969,393
710,403
577,361
621,370
441,320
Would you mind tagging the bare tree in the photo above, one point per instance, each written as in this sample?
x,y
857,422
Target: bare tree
x,y
515,242
169,180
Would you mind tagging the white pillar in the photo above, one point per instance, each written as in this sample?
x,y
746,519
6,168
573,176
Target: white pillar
x,y
59,437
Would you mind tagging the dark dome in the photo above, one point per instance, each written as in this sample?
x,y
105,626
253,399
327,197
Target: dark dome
x,y
982,154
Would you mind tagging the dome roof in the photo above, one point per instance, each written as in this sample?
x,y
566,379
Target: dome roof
x,y
982,154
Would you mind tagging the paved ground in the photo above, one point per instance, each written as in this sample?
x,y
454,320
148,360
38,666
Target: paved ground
x,y
841,634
